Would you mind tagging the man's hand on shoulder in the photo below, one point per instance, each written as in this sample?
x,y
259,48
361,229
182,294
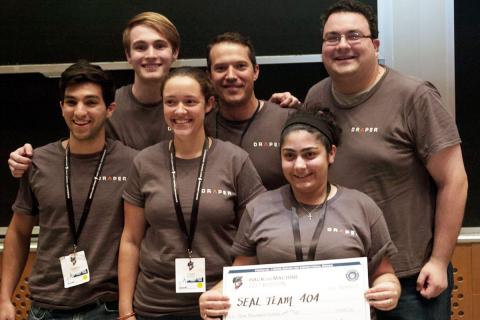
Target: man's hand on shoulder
x,y
285,100
20,160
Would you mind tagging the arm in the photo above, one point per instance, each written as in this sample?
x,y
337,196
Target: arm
x,y
447,169
213,303
17,246
20,160
285,100
386,289
128,256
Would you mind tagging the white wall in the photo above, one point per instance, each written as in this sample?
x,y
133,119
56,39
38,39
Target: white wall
x,y
417,38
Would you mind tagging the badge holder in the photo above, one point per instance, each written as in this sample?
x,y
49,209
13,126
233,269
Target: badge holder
x,y
190,274
74,269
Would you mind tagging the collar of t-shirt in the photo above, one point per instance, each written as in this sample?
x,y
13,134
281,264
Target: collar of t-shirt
x,y
348,100
145,105
237,124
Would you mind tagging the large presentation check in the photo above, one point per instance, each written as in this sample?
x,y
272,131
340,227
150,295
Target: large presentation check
x,y
326,290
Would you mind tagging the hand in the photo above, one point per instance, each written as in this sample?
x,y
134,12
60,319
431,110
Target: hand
x,y
432,279
383,296
285,100
213,304
20,160
7,310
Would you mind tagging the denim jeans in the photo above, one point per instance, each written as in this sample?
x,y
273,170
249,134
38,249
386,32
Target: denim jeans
x,y
97,310
412,306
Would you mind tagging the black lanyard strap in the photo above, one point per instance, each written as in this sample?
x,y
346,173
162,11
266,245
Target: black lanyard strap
x,y
196,199
316,235
88,202
246,127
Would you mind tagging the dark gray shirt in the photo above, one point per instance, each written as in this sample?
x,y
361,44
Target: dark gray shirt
x,y
230,182
261,141
354,227
136,124
388,137
43,188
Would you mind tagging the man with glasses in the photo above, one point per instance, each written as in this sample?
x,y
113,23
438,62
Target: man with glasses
x,y
402,148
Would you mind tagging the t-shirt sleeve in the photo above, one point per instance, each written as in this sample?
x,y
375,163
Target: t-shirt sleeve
x,y
432,126
25,201
381,243
243,245
249,185
133,190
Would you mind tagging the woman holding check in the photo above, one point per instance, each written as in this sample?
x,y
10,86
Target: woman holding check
x,y
297,222
183,200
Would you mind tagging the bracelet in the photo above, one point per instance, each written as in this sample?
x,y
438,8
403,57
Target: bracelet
x,y
131,314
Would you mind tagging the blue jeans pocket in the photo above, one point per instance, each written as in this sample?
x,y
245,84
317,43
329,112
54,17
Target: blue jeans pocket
x,y
36,313
111,307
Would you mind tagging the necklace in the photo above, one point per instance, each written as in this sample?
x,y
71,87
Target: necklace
x,y
309,212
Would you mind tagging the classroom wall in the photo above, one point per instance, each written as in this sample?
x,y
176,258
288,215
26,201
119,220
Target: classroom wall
x,y
417,38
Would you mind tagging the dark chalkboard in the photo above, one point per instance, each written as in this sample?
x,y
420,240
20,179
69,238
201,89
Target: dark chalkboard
x,y
53,31
48,31
467,93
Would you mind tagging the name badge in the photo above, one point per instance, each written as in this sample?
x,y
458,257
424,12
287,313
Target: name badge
x,y
190,275
74,269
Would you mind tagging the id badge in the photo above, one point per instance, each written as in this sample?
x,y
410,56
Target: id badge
x,y
190,275
74,269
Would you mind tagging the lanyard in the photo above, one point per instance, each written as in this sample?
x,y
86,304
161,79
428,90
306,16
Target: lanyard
x,y
88,202
316,234
244,130
196,198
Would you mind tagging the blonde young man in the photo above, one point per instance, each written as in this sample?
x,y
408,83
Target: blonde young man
x,y
151,43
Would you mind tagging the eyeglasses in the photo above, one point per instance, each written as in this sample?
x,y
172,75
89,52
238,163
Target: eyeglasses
x,y
352,37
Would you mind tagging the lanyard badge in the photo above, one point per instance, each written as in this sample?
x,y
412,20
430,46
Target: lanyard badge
x,y
74,266
189,272
316,235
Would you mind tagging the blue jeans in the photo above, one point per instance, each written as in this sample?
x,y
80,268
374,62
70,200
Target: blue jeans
x,y
97,310
412,306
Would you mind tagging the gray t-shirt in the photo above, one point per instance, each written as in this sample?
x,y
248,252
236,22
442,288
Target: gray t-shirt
x,y
354,227
261,141
230,181
135,124
388,138
42,192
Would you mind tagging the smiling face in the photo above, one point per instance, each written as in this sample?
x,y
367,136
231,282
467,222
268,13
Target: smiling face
x,y
85,112
305,163
232,73
150,53
346,61
184,106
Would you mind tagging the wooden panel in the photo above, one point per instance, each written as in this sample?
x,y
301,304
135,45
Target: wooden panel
x,y
462,290
476,280
476,269
21,296
465,296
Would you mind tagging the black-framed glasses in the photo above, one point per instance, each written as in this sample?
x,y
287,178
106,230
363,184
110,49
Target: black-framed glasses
x,y
352,37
